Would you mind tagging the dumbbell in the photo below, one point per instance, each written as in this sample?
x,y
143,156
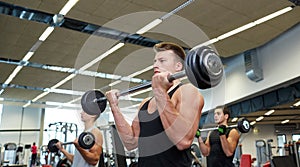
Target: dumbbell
x,y
243,126
86,140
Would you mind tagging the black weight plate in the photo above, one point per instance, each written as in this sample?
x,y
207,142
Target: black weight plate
x,y
203,53
243,125
213,66
192,76
51,145
63,163
210,65
89,105
193,69
86,140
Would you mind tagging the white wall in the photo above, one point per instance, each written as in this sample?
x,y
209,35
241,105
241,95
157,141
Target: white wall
x,y
280,63
12,118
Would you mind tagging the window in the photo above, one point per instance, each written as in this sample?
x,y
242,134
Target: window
x,y
295,137
1,108
281,140
61,124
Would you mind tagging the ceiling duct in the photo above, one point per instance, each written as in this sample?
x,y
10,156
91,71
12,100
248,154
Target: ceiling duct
x,y
296,2
253,68
283,128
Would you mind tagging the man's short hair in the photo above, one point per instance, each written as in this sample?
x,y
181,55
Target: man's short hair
x,y
177,49
225,110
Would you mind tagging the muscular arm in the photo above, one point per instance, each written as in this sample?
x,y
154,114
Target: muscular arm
x,y
67,154
180,115
128,133
92,155
229,144
204,147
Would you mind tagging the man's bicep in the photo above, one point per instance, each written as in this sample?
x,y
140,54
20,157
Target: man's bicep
x,y
233,138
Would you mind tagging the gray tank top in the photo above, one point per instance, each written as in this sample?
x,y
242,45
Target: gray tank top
x,y
78,160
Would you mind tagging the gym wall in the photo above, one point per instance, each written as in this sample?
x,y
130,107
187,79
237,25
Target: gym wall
x,y
12,119
279,60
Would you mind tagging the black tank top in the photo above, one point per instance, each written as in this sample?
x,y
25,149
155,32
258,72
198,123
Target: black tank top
x,y
155,148
217,157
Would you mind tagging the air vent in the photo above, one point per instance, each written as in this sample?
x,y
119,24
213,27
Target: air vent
x,y
252,65
282,128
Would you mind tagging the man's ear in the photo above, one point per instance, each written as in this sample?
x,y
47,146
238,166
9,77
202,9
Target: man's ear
x,y
179,66
226,116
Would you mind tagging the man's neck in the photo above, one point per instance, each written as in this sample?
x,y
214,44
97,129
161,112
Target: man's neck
x,y
88,125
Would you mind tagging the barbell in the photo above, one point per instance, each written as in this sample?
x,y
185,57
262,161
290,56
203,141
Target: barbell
x,y
63,163
242,125
86,140
203,68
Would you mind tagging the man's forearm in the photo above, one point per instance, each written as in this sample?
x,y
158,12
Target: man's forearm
x,y
68,155
124,129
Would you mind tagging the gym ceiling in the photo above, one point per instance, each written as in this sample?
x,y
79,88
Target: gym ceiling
x,y
92,27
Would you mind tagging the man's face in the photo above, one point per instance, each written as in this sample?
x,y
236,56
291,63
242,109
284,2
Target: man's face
x,y
165,61
219,116
85,116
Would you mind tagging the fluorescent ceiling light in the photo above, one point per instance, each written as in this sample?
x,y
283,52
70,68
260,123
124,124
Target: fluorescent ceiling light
x,y
133,75
13,74
46,33
149,26
40,96
68,6
51,103
133,106
65,91
28,56
297,104
235,31
273,15
247,26
102,56
285,121
259,118
63,81
1,91
1,98
141,71
131,98
270,112
253,122
27,104
207,43
234,119
140,92
75,100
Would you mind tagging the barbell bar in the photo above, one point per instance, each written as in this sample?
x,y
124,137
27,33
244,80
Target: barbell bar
x,y
86,140
242,125
203,68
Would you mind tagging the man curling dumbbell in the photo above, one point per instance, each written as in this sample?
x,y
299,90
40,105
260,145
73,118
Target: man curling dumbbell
x,y
86,157
221,143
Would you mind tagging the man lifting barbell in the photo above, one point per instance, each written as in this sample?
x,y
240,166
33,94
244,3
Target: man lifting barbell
x,y
88,144
165,125
221,142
